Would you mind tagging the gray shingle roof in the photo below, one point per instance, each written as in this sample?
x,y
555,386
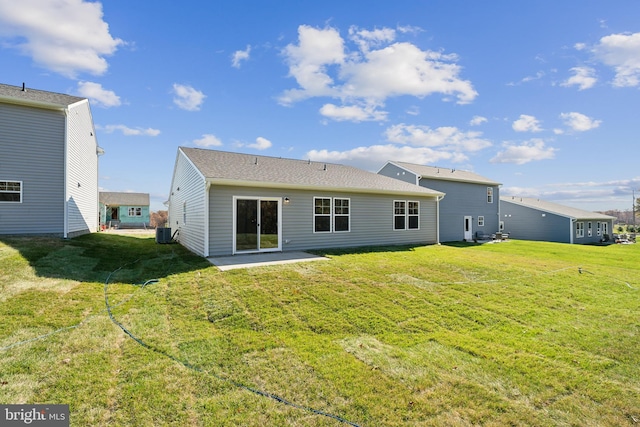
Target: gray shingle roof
x,y
124,199
554,208
248,169
446,174
15,94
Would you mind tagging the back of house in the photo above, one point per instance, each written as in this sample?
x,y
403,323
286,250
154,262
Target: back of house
x,y
529,218
470,208
224,203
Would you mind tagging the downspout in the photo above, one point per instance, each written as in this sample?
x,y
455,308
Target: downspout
x,y
572,229
206,218
438,198
65,232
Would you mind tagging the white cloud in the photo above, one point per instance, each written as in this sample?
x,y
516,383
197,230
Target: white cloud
x,y
622,52
64,36
98,95
352,113
477,120
127,131
375,70
208,140
579,122
308,61
526,123
583,77
410,143
447,138
529,151
261,144
374,156
187,98
366,39
239,56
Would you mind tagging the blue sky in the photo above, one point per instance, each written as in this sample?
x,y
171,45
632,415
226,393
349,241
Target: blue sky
x,y
540,96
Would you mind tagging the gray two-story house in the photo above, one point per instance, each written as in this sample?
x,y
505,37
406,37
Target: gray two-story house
x,y
48,165
470,208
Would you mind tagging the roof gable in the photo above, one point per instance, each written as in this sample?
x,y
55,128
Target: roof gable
x,y
248,169
554,208
124,199
28,96
445,174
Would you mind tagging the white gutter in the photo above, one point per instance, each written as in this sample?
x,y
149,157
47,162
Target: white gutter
x,y
438,218
206,218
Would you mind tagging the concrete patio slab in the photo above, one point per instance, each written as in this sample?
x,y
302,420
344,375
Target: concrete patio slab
x,y
225,263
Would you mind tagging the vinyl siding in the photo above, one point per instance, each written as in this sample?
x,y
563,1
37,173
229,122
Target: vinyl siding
x,y
82,171
32,151
524,223
371,220
464,199
393,171
527,223
188,186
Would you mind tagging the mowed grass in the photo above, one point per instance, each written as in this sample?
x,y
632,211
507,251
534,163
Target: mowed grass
x,y
515,333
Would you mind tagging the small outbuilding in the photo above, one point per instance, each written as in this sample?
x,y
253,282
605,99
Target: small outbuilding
x,y
224,203
529,218
124,210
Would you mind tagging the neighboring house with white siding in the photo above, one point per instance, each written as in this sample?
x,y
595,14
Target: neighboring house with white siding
x,y
48,165
528,218
224,203
471,207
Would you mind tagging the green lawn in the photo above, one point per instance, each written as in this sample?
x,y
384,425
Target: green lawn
x,y
515,333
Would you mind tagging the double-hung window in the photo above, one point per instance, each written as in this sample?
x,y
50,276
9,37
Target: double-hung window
x,y
10,192
331,215
135,211
406,215
489,194
579,229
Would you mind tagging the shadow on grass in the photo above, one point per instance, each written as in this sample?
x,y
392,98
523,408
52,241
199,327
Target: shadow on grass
x,y
364,250
93,257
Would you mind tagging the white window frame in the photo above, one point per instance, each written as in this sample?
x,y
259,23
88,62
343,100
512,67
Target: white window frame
x,y
404,209
579,230
135,211
481,221
489,194
589,229
330,211
7,191
598,232
341,214
605,228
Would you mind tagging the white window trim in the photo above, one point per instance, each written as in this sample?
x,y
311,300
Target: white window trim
x,y
589,229
489,194
579,230
13,192
406,215
332,215
481,221
136,211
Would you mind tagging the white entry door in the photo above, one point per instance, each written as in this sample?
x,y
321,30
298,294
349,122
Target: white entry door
x,y
468,228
